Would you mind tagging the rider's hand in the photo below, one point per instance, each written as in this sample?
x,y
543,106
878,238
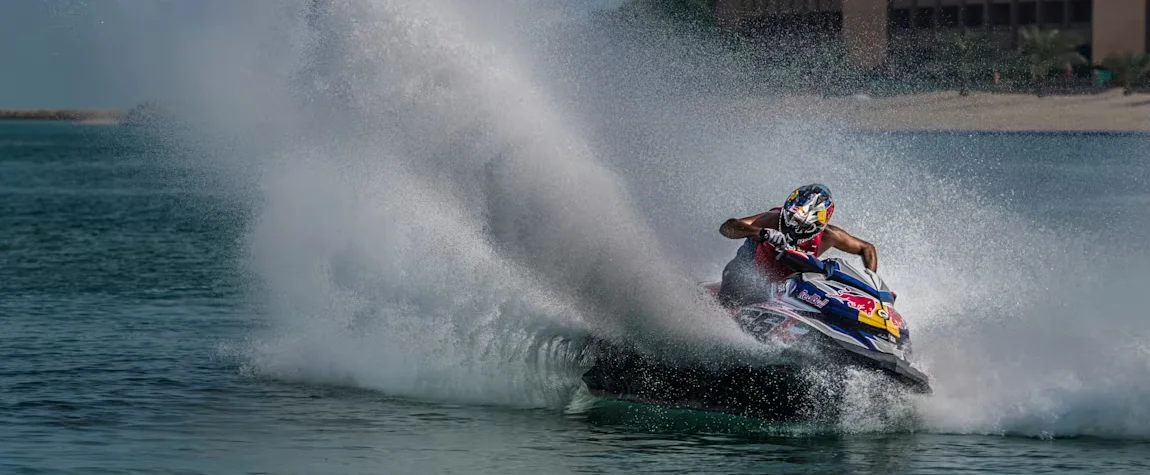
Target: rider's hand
x,y
775,238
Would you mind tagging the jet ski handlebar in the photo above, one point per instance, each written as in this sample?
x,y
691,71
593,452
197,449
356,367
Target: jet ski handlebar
x,y
804,262
801,261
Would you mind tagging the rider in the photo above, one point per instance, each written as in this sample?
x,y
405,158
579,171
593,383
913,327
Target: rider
x,y
800,223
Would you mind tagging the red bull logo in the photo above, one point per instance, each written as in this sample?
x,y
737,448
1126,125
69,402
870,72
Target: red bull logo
x,y
895,318
813,299
857,301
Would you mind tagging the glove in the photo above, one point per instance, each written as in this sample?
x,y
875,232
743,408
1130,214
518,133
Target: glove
x,y
775,238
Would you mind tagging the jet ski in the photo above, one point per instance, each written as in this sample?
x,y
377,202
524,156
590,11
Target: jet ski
x,y
827,317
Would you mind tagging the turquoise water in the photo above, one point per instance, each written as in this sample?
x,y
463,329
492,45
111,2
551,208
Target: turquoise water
x,y
128,308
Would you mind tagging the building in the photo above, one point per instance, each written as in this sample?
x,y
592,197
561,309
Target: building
x,y
871,29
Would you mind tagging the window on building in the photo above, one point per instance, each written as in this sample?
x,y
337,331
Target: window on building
x,y
1052,12
1000,14
824,21
974,15
924,18
1081,11
948,17
1027,13
809,25
900,18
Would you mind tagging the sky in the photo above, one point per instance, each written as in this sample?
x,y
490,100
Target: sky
x,y
86,54
118,53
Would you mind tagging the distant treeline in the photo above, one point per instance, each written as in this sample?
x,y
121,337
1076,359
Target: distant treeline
x,y
698,12
62,114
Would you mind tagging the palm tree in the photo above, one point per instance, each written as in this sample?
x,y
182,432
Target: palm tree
x,y
966,54
1048,49
1128,67
693,11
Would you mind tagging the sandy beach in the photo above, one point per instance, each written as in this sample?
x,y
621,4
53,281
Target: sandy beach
x,y
88,116
947,110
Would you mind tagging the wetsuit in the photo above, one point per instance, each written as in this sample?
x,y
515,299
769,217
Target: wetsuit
x,y
748,277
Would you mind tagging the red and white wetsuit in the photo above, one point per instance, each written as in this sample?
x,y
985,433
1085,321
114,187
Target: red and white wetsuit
x,y
747,277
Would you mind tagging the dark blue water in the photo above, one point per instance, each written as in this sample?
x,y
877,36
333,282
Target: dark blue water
x,y
126,306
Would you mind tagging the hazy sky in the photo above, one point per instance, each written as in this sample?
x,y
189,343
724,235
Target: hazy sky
x,y
117,53
72,53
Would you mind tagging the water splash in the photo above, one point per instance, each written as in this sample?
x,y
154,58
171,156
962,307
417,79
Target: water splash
x,y
449,199
427,222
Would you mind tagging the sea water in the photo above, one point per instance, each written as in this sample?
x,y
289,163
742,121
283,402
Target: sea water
x,y
369,236
134,332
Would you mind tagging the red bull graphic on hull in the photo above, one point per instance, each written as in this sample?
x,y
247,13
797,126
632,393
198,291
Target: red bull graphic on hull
x,y
861,302
895,318
815,300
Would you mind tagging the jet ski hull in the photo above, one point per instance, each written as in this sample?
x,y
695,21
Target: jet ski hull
x,y
824,321
808,386
769,392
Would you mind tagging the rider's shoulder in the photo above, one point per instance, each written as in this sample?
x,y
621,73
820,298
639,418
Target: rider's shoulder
x,y
769,218
832,230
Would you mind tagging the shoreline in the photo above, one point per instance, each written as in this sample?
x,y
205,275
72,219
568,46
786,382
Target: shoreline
x,y
1081,132
72,115
1106,112
1109,111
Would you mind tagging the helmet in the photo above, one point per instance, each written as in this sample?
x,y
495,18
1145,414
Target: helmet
x,y
807,211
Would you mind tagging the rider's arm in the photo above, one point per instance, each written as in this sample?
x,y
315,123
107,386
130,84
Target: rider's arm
x,y
741,228
844,241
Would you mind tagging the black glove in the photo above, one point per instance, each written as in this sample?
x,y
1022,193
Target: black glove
x,y
775,238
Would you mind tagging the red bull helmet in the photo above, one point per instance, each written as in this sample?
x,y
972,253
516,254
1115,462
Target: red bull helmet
x,y
807,211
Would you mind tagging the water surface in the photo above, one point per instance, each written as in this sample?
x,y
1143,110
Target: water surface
x,y
126,308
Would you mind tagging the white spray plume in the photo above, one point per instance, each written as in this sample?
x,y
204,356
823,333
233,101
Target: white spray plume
x,y
450,194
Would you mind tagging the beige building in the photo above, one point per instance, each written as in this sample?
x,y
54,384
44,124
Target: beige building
x,y
872,28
